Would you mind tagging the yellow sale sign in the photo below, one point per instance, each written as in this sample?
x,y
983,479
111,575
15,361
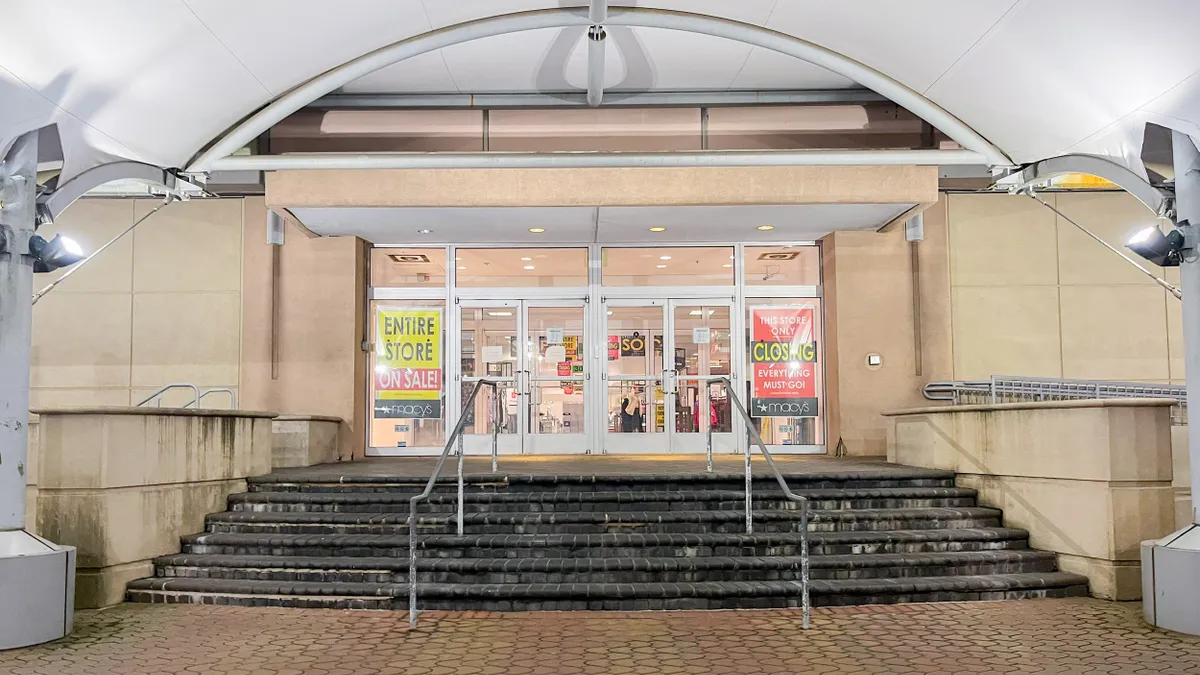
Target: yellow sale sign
x,y
408,362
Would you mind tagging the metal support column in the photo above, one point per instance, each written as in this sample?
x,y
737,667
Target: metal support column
x,y
1171,565
17,184
38,578
1187,208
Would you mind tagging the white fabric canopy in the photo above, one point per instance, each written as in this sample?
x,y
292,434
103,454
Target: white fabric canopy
x,y
157,80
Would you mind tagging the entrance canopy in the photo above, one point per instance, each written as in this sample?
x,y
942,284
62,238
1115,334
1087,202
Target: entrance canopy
x,y
158,81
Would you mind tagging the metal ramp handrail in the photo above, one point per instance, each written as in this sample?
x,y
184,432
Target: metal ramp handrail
x,y
168,387
456,438
1002,388
198,395
217,390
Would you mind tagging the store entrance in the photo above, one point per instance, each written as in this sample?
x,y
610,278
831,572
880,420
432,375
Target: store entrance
x,y
534,350
662,377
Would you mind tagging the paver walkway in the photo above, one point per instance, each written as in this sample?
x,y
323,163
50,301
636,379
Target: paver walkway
x,y
1039,636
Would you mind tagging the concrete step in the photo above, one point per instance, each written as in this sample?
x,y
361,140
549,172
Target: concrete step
x,y
600,570
562,502
589,522
634,596
331,480
608,545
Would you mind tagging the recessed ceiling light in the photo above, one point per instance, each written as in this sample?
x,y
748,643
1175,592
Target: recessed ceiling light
x,y
526,259
727,265
658,229
499,313
764,228
529,267
424,231
731,257
456,258
664,257
660,266
462,267
610,312
537,230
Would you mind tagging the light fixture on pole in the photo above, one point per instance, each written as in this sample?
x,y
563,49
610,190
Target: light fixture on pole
x,y
1164,250
60,251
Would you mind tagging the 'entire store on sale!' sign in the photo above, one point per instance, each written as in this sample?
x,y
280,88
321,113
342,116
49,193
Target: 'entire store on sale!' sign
x,y
408,363
783,353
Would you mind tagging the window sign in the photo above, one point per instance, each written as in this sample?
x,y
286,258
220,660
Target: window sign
x,y
408,363
783,354
633,345
554,336
701,335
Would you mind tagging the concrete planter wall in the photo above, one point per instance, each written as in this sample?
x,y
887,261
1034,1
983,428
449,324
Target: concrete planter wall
x,y
304,440
1088,479
123,484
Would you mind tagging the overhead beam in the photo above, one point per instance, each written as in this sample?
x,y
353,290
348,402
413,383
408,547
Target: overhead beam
x,y
554,160
680,99
647,186
560,17
58,200
1040,173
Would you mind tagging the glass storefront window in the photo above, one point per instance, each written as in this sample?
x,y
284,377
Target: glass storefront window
x,y
408,373
782,266
520,267
786,368
408,267
680,266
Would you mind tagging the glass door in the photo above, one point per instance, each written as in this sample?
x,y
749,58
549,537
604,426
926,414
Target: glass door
x,y
553,381
700,348
534,350
662,359
490,335
633,377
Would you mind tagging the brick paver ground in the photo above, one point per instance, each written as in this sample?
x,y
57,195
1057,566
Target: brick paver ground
x,y
1047,636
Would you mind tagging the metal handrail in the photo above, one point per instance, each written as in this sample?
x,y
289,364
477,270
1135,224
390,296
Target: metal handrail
x,y
167,387
218,390
756,437
1009,388
454,439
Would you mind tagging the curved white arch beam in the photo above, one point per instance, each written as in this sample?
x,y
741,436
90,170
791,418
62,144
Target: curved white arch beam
x,y
561,17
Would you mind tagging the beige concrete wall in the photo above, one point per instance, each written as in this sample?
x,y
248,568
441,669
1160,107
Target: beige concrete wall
x,y
162,305
31,475
123,484
869,309
1089,480
605,187
320,368
1032,295
301,440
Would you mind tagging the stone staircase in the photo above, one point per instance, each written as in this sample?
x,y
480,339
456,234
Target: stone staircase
x,y
537,542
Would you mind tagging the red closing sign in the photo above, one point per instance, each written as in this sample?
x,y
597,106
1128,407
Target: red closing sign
x,y
783,356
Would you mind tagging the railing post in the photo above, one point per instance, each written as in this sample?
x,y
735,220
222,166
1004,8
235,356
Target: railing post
x,y
805,603
412,561
749,484
460,484
495,427
710,429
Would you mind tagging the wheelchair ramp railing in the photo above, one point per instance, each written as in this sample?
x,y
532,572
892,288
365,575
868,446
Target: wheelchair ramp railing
x,y
1014,389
